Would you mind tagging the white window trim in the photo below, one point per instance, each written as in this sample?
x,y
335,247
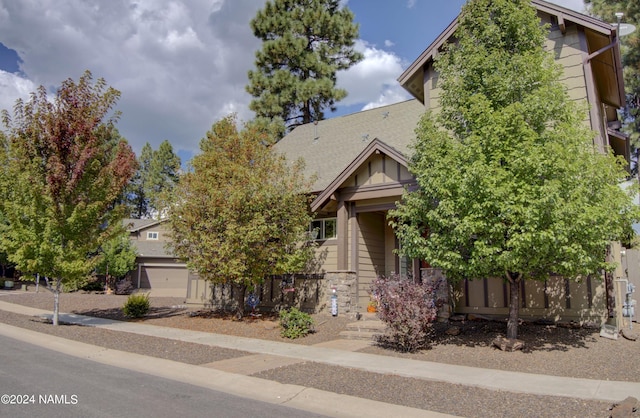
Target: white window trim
x,y
321,234
152,235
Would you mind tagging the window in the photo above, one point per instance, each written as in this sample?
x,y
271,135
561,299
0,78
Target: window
x,y
322,229
152,235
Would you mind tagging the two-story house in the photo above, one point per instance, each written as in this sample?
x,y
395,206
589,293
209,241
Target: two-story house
x,y
157,270
360,161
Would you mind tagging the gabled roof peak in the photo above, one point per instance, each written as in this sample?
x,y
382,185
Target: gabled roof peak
x,y
329,146
412,78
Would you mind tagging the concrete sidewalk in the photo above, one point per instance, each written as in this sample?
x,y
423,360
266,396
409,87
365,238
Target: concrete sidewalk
x,y
340,353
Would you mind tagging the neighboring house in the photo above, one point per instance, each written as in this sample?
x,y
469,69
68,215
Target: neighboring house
x,y
158,271
360,161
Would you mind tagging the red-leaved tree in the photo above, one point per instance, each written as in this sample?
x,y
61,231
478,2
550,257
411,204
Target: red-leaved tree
x,y
66,167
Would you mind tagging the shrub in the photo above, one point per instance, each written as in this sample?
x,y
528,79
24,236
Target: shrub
x,y
93,284
408,308
136,306
295,323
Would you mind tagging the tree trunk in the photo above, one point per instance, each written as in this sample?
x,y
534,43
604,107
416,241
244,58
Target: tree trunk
x,y
240,290
514,305
56,302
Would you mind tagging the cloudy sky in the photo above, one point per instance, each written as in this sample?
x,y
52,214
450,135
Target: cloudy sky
x,y
181,65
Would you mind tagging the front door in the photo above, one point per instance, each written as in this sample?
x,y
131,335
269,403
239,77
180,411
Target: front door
x,y
372,253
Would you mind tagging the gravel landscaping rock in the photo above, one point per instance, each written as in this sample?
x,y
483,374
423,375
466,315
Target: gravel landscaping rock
x,y
548,350
441,397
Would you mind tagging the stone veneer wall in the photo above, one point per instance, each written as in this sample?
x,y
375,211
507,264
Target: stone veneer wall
x,y
346,284
310,295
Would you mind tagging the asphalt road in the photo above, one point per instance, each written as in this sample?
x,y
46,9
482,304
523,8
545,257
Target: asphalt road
x,y
35,382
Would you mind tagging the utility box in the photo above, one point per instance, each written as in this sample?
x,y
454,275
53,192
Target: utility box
x,y
625,304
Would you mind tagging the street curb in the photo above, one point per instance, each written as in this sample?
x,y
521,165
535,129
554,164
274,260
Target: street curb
x,y
294,396
491,379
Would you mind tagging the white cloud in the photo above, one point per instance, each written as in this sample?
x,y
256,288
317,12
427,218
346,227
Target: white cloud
x,y
372,81
179,65
389,95
13,87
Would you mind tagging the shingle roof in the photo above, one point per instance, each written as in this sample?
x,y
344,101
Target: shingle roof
x,y
329,146
135,225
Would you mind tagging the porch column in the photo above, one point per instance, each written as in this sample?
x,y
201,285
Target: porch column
x,y
343,233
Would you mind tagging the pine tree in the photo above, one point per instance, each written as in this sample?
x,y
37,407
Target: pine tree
x,y
134,196
305,43
161,177
158,172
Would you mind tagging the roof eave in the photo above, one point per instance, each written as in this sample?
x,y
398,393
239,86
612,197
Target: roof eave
x,y
145,226
427,56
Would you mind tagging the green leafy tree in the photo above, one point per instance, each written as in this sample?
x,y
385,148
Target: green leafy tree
x,y
239,210
4,256
64,172
4,223
4,262
510,184
117,258
305,43
630,51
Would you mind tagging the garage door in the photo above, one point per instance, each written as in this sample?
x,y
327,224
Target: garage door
x,y
164,281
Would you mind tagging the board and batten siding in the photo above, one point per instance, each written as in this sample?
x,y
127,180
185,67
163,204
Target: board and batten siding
x,y
556,299
432,90
378,169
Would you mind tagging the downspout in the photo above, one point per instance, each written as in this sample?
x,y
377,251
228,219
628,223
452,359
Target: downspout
x,y
601,50
613,44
